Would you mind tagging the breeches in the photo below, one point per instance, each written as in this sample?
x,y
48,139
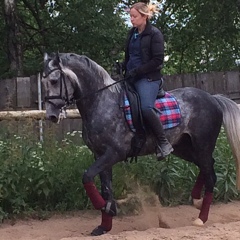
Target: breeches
x,y
147,91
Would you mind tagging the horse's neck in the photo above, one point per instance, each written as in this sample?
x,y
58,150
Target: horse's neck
x,y
88,88
91,97
97,104
91,78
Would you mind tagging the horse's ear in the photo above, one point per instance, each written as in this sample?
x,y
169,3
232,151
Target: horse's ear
x,y
57,59
46,57
53,56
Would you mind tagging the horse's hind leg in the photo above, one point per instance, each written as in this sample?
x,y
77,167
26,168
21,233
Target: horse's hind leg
x,y
208,178
201,155
197,191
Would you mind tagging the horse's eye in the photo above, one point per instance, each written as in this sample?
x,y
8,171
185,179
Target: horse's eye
x,y
53,81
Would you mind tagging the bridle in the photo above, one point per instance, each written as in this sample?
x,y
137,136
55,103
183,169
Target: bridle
x,y
62,83
65,98
67,101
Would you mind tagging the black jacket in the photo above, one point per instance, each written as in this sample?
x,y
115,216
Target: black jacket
x,y
152,52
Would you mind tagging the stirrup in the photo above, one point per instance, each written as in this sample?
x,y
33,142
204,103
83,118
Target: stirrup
x,y
159,153
162,154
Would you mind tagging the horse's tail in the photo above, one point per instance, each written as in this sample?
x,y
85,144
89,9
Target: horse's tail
x,y
231,123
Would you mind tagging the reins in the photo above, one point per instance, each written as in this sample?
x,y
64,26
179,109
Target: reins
x,y
66,98
101,89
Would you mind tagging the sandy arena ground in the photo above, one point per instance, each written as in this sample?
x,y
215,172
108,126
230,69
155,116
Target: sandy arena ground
x,y
171,223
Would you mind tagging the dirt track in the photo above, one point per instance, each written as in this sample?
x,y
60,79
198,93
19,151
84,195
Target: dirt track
x,y
175,223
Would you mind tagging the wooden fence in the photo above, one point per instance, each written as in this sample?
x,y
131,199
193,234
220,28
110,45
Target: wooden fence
x,y
227,83
22,94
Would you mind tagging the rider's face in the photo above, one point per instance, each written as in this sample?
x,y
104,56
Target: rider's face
x,y
137,19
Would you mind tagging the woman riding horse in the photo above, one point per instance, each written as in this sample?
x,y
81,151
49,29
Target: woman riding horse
x,y
69,76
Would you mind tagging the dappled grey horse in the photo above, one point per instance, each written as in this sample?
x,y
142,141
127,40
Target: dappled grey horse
x,y
69,77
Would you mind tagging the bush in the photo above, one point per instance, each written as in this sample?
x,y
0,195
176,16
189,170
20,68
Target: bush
x,y
39,177
42,176
173,178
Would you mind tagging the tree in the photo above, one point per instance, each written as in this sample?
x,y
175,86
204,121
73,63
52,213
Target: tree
x,y
13,38
91,27
201,36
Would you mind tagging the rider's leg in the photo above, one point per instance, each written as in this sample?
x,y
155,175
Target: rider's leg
x,y
164,148
148,91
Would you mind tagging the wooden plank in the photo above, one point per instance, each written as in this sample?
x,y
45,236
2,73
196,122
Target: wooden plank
x,y
172,82
33,92
233,82
8,95
189,80
34,114
37,115
205,82
23,92
220,84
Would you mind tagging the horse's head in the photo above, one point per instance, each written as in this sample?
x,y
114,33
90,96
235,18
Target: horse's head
x,y
59,83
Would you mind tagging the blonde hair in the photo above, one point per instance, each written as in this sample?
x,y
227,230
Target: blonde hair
x,y
146,9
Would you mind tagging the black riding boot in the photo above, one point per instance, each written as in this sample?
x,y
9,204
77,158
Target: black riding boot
x,y
152,121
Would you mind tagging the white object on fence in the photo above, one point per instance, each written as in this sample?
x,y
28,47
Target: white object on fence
x,y
40,106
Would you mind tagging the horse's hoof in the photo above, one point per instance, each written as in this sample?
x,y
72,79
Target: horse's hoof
x,y
198,203
98,231
198,222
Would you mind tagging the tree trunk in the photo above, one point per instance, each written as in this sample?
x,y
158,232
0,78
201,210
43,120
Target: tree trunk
x,y
14,46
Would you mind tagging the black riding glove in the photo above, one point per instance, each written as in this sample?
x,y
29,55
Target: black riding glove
x,y
131,75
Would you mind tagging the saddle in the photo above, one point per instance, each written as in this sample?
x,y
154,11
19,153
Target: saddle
x,y
139,137
166,105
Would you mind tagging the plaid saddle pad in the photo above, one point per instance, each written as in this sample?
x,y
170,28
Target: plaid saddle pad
x,y
169,112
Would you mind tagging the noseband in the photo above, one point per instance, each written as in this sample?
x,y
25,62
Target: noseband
x,y
67,101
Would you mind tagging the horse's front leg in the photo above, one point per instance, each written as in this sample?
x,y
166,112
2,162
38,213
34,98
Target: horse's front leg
x,y
110,208
105,203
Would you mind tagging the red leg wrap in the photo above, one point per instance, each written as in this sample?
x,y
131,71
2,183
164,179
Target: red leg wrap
x,y
197,189
106,221
207,200
95,197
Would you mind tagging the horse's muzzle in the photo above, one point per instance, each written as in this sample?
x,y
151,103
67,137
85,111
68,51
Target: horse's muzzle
x,y
52,112
53,119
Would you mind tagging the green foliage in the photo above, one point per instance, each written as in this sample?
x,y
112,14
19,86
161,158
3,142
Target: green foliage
x,y
93,28
225,189
173,179
200,36
36,178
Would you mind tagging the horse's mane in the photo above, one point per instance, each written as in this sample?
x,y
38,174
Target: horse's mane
x,y
94,68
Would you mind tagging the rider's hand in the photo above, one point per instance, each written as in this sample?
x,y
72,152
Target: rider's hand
x,y
131,75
